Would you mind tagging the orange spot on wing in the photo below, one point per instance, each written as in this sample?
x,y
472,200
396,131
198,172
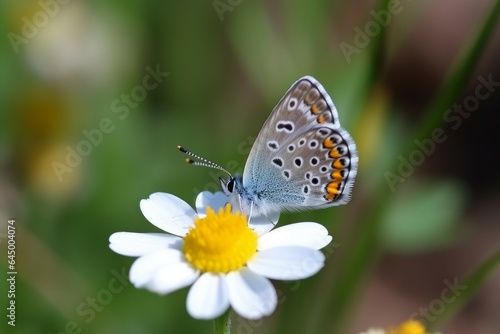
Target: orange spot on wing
x,y
336,175
320,119
333,187
334,153
314,109
328,143
338,164
330,197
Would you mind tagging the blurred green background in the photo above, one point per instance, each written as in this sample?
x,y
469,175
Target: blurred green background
x,y
74,78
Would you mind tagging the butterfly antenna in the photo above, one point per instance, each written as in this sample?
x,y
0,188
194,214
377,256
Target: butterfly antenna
x,y
203,162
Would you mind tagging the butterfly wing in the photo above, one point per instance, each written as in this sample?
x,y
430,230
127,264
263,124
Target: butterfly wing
x,y
302,157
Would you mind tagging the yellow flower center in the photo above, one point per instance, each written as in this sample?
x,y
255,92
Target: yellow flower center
x,y
409,327
220,243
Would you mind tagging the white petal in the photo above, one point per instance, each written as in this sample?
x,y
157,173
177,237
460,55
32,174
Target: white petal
x,y
250,295
311,235
138,244
287,263
144,268
207,298
168,212
173,277
264,224
214,200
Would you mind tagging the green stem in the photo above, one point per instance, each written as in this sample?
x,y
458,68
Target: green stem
x,y
376,63
222,324
377,58
471,285
458,76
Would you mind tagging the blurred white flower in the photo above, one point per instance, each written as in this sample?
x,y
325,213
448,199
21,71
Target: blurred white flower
x,y
80,45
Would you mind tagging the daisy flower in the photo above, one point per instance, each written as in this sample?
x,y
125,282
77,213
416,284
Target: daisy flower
x,y
227,260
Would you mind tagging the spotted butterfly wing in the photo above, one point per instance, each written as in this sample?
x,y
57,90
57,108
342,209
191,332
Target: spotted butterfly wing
x,y
302,158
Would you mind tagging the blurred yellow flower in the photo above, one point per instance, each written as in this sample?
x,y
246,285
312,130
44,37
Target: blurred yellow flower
x,y
408,327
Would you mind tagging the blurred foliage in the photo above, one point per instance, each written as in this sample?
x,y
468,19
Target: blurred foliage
x,y
423,217
77,84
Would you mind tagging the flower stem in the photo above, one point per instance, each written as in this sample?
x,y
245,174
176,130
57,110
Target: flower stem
x,y
222,325
471,285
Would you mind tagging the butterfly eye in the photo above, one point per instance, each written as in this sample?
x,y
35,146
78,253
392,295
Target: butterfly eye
x,y
230,185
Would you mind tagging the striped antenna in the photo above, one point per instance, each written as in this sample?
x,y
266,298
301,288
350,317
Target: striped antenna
x,y
203,162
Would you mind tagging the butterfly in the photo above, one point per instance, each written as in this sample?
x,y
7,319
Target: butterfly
x,y
302,158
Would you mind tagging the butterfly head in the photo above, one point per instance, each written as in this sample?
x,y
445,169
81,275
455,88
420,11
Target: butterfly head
x,y
233,188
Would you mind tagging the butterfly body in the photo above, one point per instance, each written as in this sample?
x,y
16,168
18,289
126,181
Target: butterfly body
x,y
302,158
